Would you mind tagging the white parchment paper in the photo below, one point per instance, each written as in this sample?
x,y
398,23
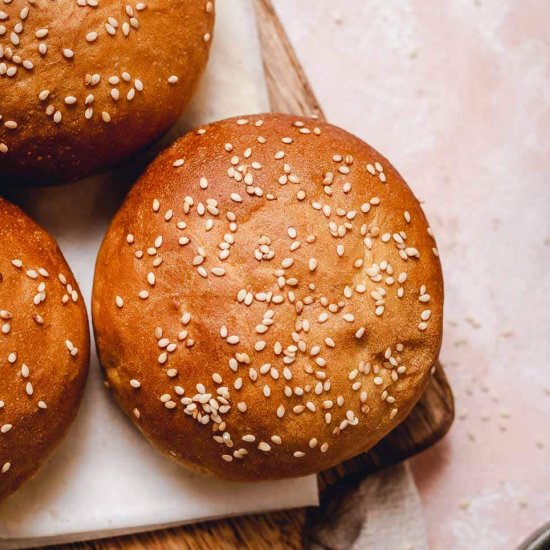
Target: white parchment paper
x,y
105,478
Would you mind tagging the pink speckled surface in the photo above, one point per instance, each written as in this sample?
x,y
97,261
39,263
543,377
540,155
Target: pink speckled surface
x,y
456,94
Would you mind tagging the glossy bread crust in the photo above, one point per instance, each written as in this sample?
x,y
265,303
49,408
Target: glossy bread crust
x,y
44,347
268,300
84,84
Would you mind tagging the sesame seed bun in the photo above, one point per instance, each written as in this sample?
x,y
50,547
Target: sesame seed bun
x,y
86,83
44,347
268,300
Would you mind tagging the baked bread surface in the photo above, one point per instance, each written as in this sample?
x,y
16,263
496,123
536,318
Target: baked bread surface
x,y
268,300
44,347
86,83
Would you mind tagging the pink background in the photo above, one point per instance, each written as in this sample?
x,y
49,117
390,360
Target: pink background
x,y
456,94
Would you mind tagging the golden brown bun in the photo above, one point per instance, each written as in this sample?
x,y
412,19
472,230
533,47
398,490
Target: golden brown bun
x,y
44,347
332,363
95,80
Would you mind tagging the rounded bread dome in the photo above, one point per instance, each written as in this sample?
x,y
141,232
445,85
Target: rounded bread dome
x,y
44,347
86,83
268,300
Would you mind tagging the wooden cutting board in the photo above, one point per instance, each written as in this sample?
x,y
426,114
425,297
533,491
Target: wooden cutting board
x,y
290,92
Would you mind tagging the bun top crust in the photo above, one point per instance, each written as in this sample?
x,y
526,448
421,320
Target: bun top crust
x,y
86,83
268,300
44,347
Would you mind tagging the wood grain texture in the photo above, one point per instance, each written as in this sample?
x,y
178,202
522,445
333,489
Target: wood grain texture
x,y
290,92
287,85
275,530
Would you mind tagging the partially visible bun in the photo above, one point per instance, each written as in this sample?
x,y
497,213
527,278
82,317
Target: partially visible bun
x,y
86,83
268,301
44,347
